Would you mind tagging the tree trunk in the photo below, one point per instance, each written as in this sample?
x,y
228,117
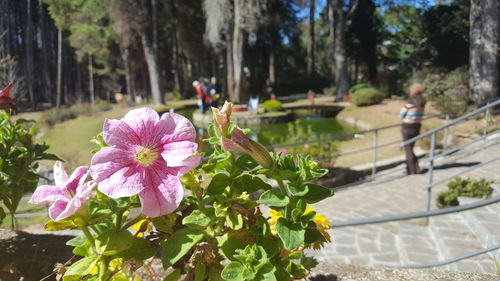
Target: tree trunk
x,y
272,70
59,67
310,43
229,68
154,74
331,19
47,90
129,77
342,83
91,80
238,53
30,79
484,42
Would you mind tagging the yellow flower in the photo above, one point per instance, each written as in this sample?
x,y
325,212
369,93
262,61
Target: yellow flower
x,y
322,224
275,215
141,227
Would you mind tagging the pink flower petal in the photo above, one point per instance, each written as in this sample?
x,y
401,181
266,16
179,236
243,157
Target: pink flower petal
x,y
57,208
143,122
163,193
174,127
117,132
77,178
108,160
125,182
176,152
190,163
46,193
60,176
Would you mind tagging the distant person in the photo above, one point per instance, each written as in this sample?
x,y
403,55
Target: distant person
x,y
412,114
198,88
214,92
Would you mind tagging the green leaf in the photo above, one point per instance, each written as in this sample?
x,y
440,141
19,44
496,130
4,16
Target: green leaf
x,y
83,250
141,249
291,234
2,214
234,220
199,272
313,235
218,184
173,276
80,268
308,262
297,270
250,184
273,198
59,225
266,273
270,245
298,190
197,219
77,241
112,242
230,245
233,272
179,244
317,193
246,162
281,274
296,213
164,223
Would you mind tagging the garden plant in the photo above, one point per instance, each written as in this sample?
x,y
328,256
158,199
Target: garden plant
x,y
148,193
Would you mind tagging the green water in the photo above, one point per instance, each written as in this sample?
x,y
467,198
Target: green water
x,y
304,128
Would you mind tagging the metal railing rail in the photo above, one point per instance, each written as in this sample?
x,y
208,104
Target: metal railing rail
x,y
417,215
374,148
452,260
433,134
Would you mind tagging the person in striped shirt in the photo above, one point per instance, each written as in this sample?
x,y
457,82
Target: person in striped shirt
x,y
412,114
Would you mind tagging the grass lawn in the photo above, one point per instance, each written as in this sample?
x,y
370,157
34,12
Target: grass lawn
x,y
70,140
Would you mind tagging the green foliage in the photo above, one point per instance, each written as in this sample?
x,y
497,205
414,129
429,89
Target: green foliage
x,y
464,187
218,232
448,92
359,86
19,156
329,91
367,96
272,106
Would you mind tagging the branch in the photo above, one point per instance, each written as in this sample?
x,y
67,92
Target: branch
x,y
353,8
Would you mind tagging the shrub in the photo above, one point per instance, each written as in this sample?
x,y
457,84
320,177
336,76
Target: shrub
x,y
359,86
367,96
56,115
272,106
102,105
329,91
464,187
447,92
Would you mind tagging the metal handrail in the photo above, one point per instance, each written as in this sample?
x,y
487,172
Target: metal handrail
x,y
455,121
416,215
452,260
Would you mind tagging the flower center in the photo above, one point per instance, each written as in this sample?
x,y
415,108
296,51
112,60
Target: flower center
x,y
146,156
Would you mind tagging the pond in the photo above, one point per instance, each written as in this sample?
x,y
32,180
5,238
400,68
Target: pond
x,y
305,128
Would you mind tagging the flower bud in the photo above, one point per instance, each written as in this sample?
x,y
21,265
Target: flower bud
x,y
222,119
240,142
5,100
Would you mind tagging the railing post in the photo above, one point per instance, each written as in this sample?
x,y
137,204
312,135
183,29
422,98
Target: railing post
x,y
375,152
431,170
486,117
445,135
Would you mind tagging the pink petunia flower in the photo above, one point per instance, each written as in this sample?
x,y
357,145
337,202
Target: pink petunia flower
x,y
146,155
68,195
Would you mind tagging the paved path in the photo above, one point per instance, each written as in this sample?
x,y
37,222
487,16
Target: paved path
x,y
414,241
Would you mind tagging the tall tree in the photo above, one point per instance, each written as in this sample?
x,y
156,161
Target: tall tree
x,y
484,42
310,42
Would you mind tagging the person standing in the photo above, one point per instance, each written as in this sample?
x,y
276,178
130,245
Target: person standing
x,y
412,114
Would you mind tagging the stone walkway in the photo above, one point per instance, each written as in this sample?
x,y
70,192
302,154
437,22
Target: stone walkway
x,y
415,241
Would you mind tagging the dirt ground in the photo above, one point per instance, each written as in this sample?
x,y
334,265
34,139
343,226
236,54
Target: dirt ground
x,y
25,256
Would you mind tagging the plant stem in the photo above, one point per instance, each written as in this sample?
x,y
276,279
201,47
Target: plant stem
x,y
119,217
132,222
89,236
282,187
